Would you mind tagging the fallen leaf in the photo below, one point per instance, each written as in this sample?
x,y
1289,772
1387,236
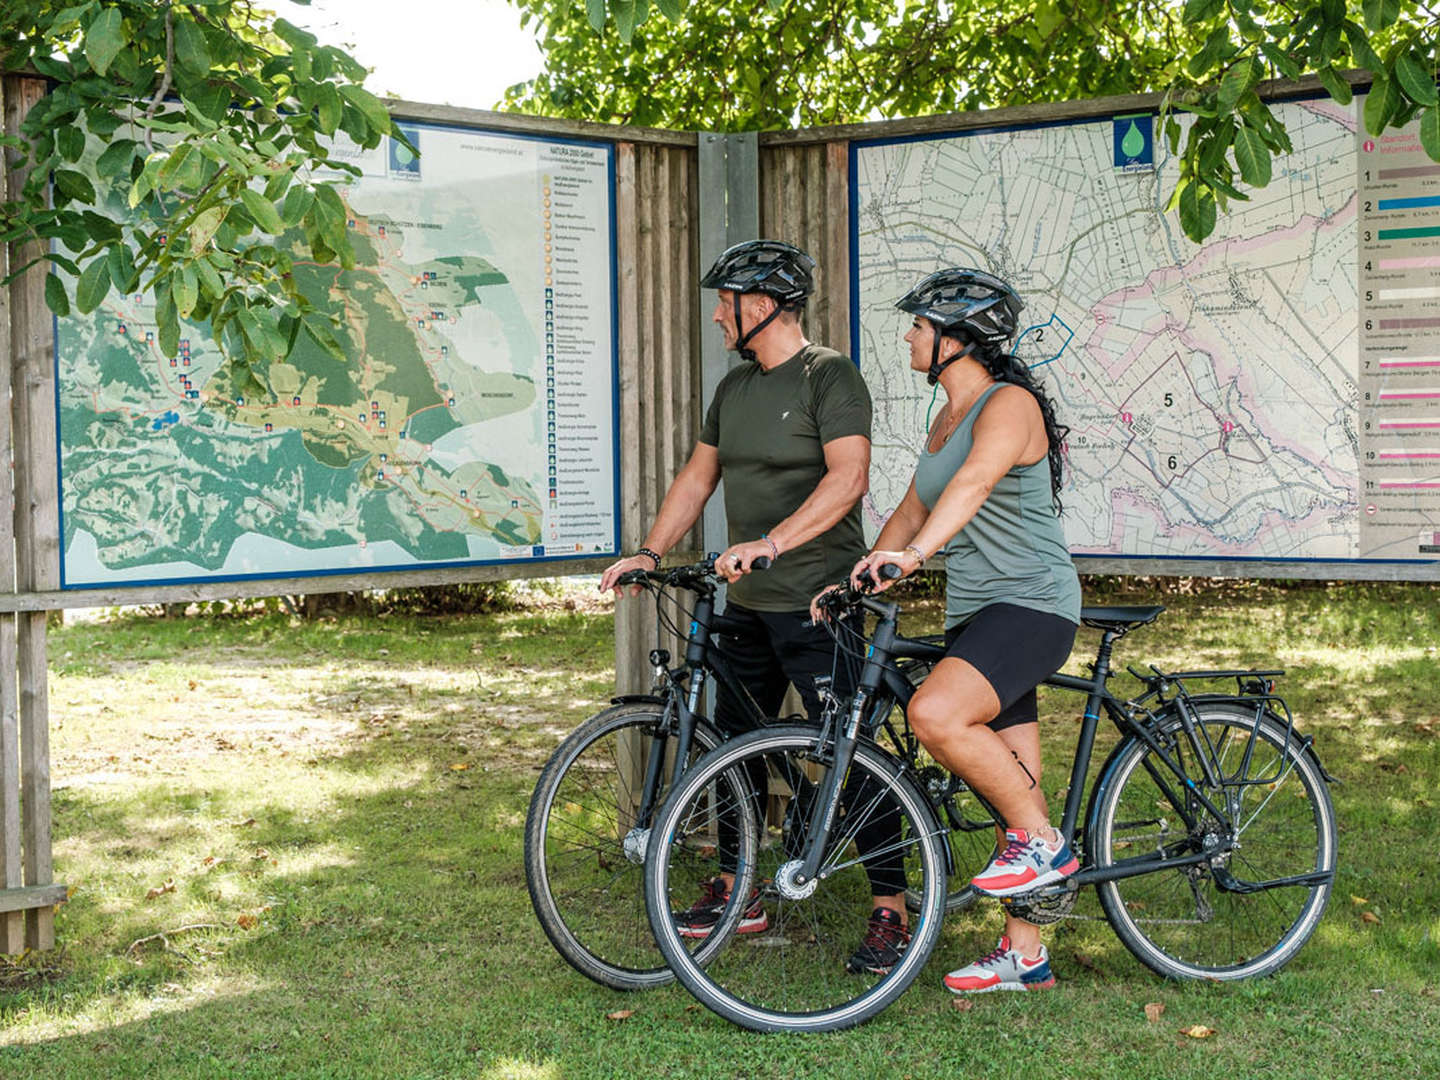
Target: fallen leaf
x,y
1084,961
242,824
1154,1010
246,921
1369,916
193,684
622,1014
1197,1031
460,766
260,853
963,1004
1358,900
168,885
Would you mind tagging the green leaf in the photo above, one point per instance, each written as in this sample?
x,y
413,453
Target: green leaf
x,y
1360,46
116,158
1253,157
93,286
1197,212
1283,61
104,38
293,36
1430,131
55,298
329,107
122,268
318,327
1242,76
1381,103
187,290
1418,84
263,211
191,51
204,226
369,105
75,185
210,282
595,12
70,141
1338,88
1197,11
674,10
298,201
173,164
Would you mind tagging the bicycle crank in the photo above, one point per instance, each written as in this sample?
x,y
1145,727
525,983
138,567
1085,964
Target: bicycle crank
x,y
1043,906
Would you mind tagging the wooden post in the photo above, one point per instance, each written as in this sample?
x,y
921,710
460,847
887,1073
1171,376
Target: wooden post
x,y
36,526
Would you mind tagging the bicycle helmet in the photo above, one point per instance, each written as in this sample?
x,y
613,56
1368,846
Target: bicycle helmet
x,y
967,304
776,269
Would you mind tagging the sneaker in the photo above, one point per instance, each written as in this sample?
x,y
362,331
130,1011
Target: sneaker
x,y
886,940
706,912
1027,862
1003,969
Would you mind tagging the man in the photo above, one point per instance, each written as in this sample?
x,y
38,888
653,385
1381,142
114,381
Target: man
x,y
789,433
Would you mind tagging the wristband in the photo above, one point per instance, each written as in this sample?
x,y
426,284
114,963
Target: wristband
x,y
919,555
774,551
650,555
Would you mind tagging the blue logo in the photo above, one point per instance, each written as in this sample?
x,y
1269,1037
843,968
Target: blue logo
x,y
403,160
1134,139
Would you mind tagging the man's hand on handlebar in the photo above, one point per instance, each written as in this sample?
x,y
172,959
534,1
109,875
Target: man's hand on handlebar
x,y
739,559
610,579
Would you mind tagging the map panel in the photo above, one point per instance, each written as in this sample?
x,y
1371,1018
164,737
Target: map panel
x,y
1211,390
472,421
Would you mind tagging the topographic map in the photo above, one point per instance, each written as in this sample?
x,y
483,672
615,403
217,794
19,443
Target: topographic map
x,y
1210,390
434,442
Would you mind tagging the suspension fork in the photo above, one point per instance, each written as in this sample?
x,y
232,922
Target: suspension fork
x,y
827,804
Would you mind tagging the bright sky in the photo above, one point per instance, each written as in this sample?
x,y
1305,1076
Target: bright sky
x,y
442,52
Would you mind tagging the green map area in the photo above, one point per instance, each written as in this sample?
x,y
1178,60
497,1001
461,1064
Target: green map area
x,y
164,462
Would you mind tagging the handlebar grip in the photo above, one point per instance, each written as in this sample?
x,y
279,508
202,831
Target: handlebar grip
x,y
633,577
890,571
760,562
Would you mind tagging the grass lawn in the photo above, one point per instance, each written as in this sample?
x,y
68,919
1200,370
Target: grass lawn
x,y
324,821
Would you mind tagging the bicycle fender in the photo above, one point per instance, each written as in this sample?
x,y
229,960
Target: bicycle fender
x,y
637,699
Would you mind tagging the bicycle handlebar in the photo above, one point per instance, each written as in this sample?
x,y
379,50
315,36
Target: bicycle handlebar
x,y
694,576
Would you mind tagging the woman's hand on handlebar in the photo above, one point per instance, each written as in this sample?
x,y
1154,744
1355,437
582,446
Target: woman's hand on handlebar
x,y
819,612
610,579
869,574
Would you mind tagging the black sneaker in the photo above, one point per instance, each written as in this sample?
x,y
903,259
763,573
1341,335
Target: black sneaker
x,y
706,912
886,940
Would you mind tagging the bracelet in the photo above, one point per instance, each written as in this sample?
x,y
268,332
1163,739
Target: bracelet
x,y
919,555
774,551
650,554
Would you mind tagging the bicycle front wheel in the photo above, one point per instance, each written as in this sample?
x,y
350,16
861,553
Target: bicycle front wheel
x,y
1248,910
788,966
585,849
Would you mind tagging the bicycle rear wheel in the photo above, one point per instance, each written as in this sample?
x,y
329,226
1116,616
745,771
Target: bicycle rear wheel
x,y
1240,914
789,973
584,854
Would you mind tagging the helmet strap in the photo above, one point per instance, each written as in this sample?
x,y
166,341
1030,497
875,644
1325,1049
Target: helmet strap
x,y
936,366
744,335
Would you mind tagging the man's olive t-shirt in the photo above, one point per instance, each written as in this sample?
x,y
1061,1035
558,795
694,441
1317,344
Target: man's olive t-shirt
x,y
770,428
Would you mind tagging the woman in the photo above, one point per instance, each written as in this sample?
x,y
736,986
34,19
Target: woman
x,y
986,493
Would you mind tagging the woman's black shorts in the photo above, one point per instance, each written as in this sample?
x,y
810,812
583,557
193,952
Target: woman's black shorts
x,y
1015,648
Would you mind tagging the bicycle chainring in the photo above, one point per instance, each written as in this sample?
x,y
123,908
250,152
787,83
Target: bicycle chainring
x,y
1043,907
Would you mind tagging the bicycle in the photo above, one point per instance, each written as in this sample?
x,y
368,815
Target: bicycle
x,y
588,823
1209,835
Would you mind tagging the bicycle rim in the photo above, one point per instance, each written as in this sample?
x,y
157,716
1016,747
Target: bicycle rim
x,y
1182,923
583,861
791,973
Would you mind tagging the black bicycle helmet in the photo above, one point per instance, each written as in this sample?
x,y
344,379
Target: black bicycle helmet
x,y
964,303
772,267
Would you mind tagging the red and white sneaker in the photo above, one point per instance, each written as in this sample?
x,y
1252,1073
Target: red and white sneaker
x,y
700,919
1028,862
1002,969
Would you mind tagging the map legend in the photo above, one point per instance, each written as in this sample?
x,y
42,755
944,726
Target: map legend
x,y
1398,195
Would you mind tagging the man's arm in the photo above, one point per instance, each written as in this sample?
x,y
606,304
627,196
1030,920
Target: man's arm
x,y
847,476
679,511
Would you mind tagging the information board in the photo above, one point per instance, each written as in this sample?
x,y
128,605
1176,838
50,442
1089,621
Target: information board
x,y
1271,394
473,420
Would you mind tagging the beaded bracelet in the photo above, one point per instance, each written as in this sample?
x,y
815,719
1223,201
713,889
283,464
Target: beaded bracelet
x,y
651,554
919,555
774,551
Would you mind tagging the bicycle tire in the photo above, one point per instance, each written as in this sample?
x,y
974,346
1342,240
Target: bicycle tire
x,y
790,975
1181,923
585,887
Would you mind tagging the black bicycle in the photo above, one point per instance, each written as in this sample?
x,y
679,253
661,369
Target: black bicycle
x,y
590,817
1209,835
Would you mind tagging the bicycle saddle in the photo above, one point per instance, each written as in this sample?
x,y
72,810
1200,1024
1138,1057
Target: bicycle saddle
x,y
1119,618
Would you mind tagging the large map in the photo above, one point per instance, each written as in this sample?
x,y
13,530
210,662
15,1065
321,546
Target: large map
x,y
472,420
1211,391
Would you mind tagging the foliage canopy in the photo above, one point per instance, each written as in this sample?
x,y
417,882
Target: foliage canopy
x,y
719,65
